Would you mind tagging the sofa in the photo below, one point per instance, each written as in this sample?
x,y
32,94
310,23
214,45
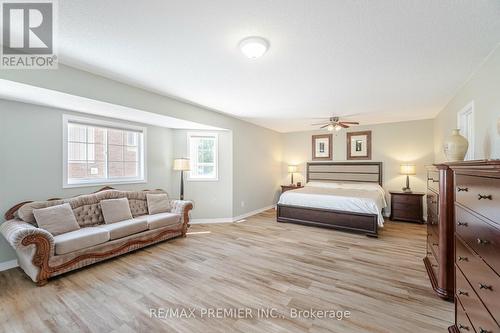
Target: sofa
x,y
42,255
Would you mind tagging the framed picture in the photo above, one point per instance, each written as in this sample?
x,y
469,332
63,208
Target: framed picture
x,y
359,145
322,147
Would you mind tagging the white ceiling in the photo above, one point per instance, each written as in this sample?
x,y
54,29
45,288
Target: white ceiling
x,y
389,60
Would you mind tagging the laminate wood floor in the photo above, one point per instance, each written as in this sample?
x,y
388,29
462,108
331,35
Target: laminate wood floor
x,y
258,264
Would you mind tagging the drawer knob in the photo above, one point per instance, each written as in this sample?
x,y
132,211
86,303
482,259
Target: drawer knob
x,y
485,286
464,293
434,202
463,259
429,252
463,224
462,189
463,327
482,241
484,196
482,330
435,244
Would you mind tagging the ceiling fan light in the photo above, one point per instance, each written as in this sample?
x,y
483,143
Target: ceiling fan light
x,y
338,128
254,47
330,127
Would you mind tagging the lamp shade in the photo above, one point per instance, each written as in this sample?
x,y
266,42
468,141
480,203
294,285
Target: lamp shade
x,y
181,164
292,168
407,169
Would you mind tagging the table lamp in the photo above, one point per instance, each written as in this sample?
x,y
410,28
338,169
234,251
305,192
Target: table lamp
x,y
292,169
407,169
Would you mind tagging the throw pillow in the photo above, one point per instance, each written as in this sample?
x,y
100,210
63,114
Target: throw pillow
x,y
115,210
56,219
158,203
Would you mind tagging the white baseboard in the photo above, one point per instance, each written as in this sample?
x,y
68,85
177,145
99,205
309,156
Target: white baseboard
x,y
8,265
231,219
253,212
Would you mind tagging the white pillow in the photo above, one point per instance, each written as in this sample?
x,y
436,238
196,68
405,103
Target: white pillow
x,y
57,220
362,186
158,203
115,210
324,184
350,186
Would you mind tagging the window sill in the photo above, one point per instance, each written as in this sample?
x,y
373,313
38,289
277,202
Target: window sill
x,y
139,181
202,180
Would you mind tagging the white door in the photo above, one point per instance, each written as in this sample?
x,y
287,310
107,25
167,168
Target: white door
x,y
466,126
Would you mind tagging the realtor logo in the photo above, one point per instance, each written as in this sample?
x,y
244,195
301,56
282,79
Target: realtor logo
x,y
28,35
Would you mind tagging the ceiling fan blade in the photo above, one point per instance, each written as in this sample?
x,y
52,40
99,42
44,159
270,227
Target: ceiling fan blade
x,y
349,122
322,123
325,126
342,125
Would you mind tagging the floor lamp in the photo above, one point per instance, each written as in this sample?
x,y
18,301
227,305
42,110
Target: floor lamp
x,y
181,164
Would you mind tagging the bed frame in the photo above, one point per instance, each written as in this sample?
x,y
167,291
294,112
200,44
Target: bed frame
x,y
366,172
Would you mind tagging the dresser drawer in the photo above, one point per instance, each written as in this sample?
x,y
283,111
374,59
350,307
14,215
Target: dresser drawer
x,y
433,202
483,238
480,194
481,277
434,264
434,248
433,180
405,214
477,313
406,199
463,323
405,206
432,218
433,233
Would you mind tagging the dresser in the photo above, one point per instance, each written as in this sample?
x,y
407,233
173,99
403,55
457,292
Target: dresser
x,y
477,247
439,256
407,206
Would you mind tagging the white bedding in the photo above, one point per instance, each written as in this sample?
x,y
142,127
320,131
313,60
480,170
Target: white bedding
x,y
360,198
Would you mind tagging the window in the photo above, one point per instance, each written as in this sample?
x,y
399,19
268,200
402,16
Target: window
x,y
101,152
466,126
203,156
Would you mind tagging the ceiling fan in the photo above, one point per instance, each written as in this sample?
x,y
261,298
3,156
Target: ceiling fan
x,y
334,123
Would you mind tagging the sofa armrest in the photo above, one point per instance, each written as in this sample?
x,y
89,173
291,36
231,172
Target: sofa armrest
x,y
16,233
34,247
182,207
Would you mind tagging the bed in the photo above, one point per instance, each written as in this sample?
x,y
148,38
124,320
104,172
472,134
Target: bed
x,y
346,196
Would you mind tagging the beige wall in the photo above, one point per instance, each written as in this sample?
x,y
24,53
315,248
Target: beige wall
x,y
31,159
256,150
484,89
212,199
392,144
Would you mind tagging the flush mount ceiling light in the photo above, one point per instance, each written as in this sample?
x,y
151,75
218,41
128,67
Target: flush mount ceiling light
x,y
254,47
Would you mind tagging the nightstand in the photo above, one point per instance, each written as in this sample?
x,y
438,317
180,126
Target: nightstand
x,y
407,206
285,188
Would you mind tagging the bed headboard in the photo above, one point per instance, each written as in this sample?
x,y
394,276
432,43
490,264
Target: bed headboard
x,y
366,172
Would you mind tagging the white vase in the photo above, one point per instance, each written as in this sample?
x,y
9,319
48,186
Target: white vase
x,y
455,146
